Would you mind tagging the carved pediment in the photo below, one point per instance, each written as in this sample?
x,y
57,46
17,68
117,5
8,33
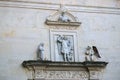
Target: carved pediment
x,y
62,17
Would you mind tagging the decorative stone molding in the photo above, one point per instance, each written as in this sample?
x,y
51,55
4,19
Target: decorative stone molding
x,y
80,8
48,70
95,63
62,17
41,74
65,23
33,63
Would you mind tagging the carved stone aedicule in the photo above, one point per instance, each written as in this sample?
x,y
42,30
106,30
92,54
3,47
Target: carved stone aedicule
x,y
62,17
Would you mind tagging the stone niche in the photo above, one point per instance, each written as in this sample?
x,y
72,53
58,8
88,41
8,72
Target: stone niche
x,y
55,48
50,70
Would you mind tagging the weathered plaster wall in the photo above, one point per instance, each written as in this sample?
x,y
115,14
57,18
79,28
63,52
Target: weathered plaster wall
x,y
22,28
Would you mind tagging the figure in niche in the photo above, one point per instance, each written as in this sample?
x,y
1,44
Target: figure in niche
x,y
40,51
65,48
63,18
92,53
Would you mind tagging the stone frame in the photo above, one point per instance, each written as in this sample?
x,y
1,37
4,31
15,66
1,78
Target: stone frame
x,y
67,33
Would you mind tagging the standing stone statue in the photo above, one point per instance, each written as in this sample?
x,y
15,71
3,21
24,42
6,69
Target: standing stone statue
x,y
64,48
87,53
40,51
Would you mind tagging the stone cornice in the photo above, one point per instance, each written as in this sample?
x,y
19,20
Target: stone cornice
x,y
38,63
53,6
76,3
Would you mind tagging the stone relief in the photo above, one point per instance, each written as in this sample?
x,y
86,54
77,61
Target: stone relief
x,y
40,74
63,18
92,53
65,47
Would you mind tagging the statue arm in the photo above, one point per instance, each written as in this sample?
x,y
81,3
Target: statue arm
x,y
59,39
59,45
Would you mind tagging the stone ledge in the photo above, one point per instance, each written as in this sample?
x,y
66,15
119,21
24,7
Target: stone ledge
x,y
95,64
63,23
39,63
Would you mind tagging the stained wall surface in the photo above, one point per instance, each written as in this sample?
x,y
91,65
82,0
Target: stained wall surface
x,y
22,28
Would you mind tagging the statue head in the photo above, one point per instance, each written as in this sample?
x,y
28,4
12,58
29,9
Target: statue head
x,y
41,45
65,37
63,13
88,48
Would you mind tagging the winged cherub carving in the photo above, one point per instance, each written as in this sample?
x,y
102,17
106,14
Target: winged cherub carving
x,y
92,54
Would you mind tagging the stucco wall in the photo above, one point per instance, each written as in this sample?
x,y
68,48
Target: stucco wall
x,y
22,28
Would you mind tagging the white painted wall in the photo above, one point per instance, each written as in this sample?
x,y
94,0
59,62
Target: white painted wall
x,y
22,28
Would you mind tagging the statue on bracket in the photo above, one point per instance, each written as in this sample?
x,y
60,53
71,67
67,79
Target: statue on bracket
x,y
40,51
65,48
92,53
